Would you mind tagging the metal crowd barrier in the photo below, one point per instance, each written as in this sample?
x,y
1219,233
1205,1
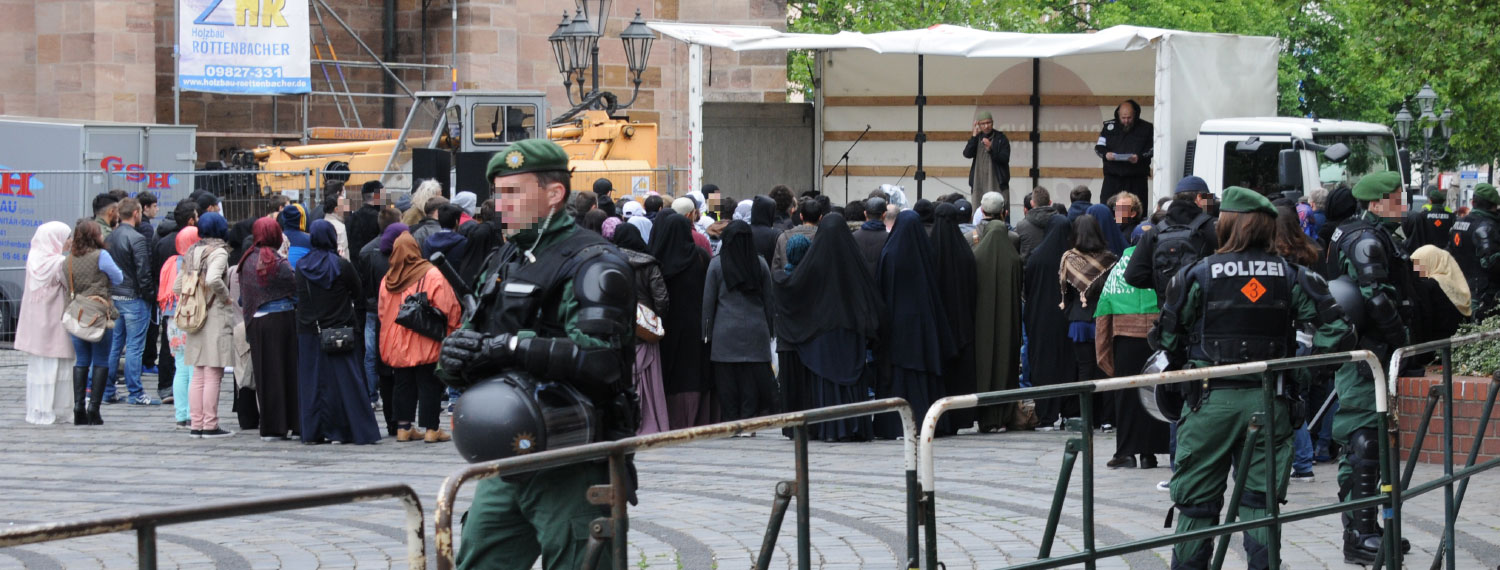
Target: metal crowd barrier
x,y
613,529
145,524
1084,445
1452,498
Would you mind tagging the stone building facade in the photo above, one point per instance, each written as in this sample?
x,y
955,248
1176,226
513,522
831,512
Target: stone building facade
x,y
112,60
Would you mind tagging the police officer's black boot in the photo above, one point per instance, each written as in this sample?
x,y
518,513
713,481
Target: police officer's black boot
x,y
1361,533
96,394
80,395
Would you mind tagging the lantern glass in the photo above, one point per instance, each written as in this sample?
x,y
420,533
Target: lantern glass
x,y
637,39
596,12
559,41
1426,99
1403,122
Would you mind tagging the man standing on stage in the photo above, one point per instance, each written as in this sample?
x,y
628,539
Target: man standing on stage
x,y
1125,144
990,151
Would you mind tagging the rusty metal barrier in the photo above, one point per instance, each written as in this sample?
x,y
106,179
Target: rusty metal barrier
x,y
145,524
1453,499
1085,446
613,530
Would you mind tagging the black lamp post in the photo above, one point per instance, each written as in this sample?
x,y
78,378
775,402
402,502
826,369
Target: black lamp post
x,y
575,46
1434,128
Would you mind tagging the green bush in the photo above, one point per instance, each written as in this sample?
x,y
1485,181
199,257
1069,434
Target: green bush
x,y
1481,358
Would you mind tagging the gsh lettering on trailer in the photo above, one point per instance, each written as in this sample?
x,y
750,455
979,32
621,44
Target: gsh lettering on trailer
x,y
137,173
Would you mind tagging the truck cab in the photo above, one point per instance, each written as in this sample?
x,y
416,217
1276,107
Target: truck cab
x,y
1272,155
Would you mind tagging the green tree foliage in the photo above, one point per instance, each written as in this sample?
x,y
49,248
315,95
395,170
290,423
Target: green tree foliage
x,y
1344,59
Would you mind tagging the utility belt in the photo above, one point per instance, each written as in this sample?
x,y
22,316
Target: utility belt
x,y
1197,392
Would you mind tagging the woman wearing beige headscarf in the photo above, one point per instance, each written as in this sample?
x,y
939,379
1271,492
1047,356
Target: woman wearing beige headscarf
x,y
1439,265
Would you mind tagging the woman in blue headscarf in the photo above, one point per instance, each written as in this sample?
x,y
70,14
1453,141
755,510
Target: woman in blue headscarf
x,y
333,399
210,349
293,220
1114,237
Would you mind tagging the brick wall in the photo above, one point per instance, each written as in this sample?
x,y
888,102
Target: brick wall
x,y
78,59
112,60
1468,407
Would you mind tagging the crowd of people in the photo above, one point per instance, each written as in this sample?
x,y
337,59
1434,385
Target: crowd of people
x,y
745,307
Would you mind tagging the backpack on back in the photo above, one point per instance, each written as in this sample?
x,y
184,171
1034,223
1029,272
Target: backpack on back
x,y
192,303
1176,247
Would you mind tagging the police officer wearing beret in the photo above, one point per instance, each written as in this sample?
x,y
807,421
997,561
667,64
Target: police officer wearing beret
x,y
556,304
1126,144
1259,301
1363,250
1475,243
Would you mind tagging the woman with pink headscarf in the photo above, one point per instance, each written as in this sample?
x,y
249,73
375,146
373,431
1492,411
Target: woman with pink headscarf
x,y
48,348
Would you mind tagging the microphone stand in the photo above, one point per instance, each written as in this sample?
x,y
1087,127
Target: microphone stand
x,y
844,160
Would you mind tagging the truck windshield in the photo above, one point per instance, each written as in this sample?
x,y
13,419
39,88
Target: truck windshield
x,y
1368,154
1253,170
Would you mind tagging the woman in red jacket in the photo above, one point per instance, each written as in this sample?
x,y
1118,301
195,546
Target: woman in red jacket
x,y
412,355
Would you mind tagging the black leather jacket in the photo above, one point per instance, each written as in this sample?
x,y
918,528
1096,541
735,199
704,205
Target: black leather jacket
x,y
132,253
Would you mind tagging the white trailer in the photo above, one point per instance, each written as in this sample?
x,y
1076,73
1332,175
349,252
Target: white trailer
x,y
50,169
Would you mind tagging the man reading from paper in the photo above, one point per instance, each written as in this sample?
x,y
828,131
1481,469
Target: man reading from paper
x,y
1125,144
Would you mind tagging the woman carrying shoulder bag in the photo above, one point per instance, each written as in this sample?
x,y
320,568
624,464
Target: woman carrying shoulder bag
x,y
89,317
414,354
333,400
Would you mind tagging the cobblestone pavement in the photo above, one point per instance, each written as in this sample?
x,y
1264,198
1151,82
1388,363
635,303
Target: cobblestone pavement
x,y
702,506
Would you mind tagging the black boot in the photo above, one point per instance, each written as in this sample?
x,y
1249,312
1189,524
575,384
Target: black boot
x,y
80,395
96,395
1361,531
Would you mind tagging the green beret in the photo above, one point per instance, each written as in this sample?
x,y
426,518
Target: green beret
x,y
984,116
530,155
1487,191
1437,195
1237,199
1377,186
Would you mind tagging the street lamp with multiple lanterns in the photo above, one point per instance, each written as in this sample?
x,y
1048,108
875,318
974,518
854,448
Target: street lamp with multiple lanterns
x,y
1435,128
575,46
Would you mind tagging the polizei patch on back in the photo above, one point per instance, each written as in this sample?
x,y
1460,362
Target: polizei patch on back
x,y
1247,269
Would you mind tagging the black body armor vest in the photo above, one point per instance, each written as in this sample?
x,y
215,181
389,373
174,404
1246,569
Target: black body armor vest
x,y
1247,308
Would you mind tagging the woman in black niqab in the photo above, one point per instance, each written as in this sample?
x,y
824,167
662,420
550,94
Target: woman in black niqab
x,y
685,370
1049,351
917,338
958,286
828,313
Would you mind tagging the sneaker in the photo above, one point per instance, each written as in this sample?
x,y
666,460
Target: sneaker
x,y
1303,476
182,424
144,400
1164,486
196,434
150,370
1107,428
269,438
216,433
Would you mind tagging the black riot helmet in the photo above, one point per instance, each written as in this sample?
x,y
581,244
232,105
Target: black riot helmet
x,y
513,414
1347,294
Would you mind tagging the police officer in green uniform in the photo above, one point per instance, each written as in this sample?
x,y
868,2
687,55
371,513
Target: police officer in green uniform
x,y
1475,244
556,304
1363,250
1241,304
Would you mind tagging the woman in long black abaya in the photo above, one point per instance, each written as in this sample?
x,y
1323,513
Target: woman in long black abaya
x,y
1048,348
684,355
958,288
916,338
827,314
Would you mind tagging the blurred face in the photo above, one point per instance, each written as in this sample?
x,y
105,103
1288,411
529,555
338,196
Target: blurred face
x,y
1389,207
1125,209
1421,268
1127,116
522,203
151,210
